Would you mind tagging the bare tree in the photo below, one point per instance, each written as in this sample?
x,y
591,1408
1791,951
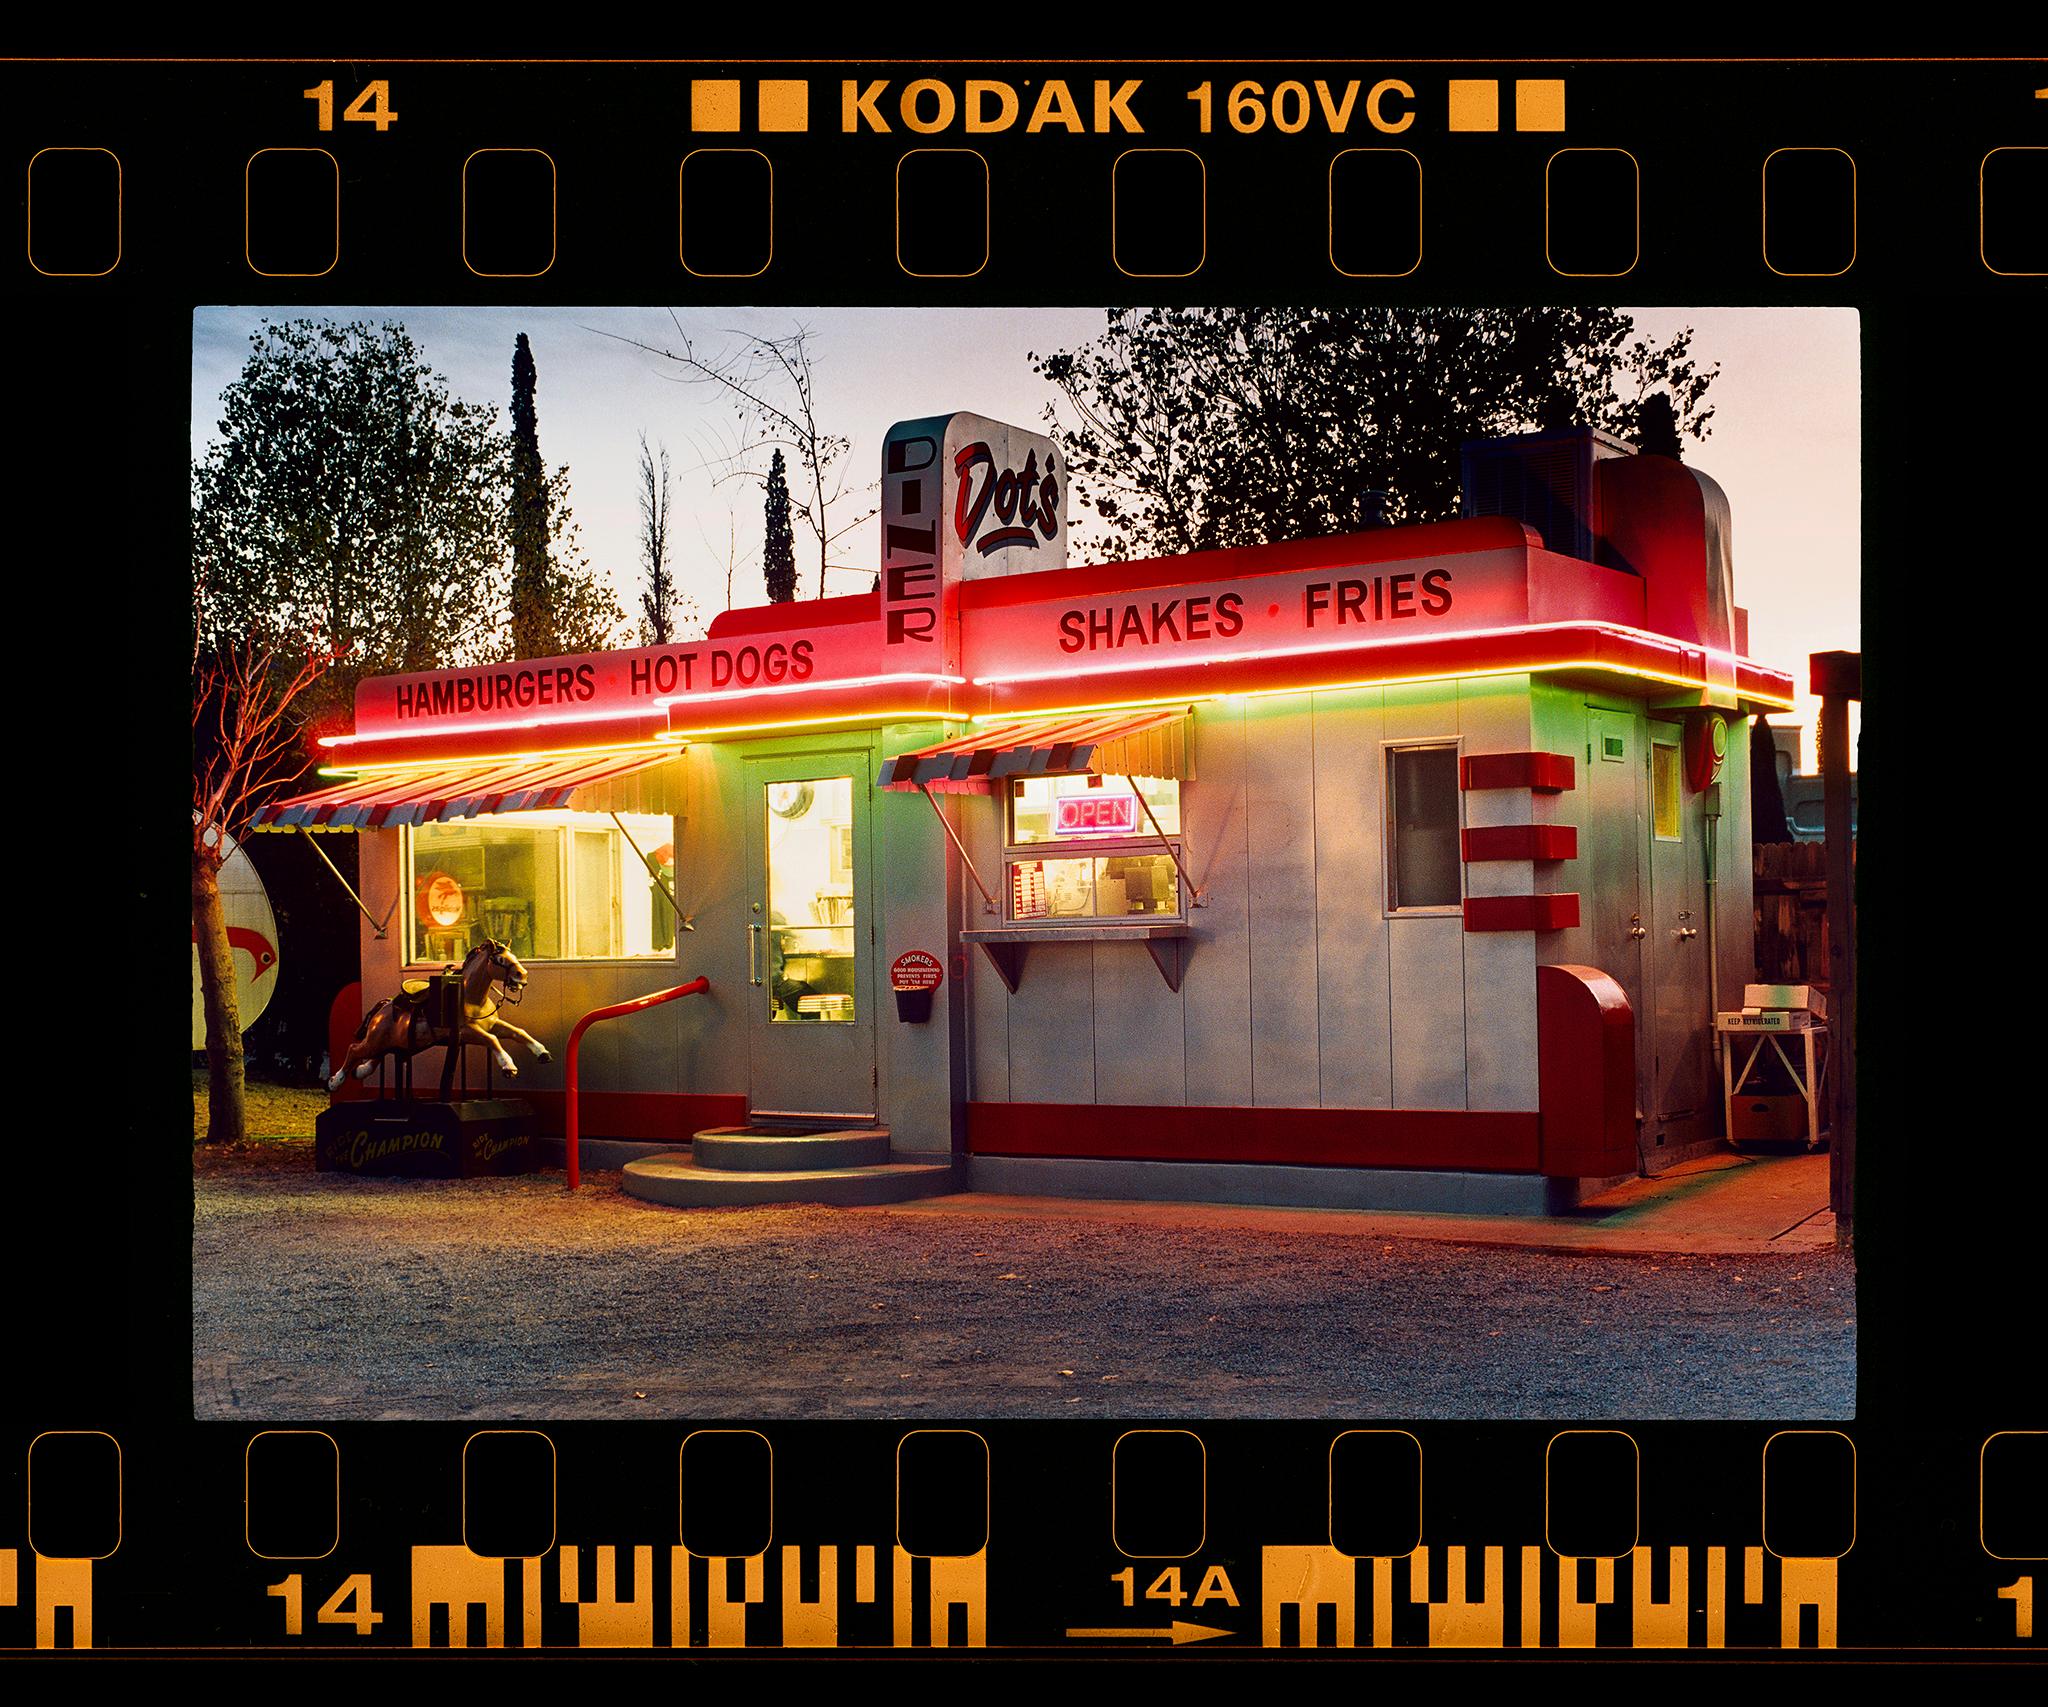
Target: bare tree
x,y
245,746
728,554
657,603
771,384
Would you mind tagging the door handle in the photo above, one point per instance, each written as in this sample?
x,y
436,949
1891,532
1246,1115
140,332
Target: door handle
x,y
754,954
1685,934
1636,933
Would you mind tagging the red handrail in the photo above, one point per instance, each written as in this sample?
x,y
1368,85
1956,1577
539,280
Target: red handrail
x,y
695,987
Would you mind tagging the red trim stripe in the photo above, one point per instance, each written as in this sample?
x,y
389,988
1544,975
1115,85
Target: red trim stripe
x,y
1546,773
1522,841
1316,1137
1521,912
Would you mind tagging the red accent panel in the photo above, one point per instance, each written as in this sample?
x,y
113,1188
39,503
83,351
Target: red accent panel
x,y
814,613
1585,1073
1546,773
1315,1137
660,1117
1521,912
1835,675
1654,520
342,1019
1523,841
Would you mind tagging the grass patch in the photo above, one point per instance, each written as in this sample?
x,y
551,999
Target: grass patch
x,y
276,1113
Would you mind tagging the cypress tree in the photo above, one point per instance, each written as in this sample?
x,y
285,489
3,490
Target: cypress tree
x,y
532,619
778,555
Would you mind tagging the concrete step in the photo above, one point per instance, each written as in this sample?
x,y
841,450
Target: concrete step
x,y
759,1149
679,1180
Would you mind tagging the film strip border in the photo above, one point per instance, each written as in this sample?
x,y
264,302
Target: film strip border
x,y
732,1537
1378,175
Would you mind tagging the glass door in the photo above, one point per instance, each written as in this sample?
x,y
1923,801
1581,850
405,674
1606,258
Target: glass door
x,y
810,937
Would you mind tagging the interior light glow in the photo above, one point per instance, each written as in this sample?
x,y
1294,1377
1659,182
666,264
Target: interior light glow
x,y
644,749
1251,655
917,714
446,729
1390,681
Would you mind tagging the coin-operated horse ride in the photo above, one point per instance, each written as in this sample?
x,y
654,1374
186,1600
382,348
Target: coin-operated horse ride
x,y
456,1134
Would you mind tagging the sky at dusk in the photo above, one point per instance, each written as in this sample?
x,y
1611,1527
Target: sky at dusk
x,y
1785,445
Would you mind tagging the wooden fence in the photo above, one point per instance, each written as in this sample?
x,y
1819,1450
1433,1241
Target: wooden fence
x,y
1791,885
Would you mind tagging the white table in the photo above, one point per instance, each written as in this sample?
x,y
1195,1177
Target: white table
x,y
1809,1071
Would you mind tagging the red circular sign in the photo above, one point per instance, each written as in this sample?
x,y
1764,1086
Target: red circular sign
x,y
915,970
439,900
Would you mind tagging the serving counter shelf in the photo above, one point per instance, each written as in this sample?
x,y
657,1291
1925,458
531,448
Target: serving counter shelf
x,y
1006,945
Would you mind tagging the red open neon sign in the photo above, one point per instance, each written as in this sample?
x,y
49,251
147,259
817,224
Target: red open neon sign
x,y
1095,815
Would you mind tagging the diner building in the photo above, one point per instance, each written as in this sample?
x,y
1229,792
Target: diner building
x,y
1399,869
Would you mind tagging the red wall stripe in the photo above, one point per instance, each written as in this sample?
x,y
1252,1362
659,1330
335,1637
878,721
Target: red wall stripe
x,y
662,1117
1521,912
1316,1137
657,1117
1523,841
1546,773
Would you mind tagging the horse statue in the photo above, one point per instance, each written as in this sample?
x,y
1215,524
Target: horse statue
x,y
407,1023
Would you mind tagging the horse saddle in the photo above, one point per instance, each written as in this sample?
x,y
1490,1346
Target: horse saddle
x,y
437,999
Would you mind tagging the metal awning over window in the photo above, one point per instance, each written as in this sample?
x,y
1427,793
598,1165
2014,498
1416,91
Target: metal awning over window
x,y
1127,744
602,782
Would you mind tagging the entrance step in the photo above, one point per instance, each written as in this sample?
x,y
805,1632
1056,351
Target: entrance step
x,y
681,1180
781,1149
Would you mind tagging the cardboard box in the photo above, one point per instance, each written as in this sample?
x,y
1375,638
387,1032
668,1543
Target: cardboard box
x,y
1767,1119
1767,1019
1803,996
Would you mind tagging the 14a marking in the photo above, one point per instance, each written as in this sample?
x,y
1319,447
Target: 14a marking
x,y
352,1604
1167,1587
372,106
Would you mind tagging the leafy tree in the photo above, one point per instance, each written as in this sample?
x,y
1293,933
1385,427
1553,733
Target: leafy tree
x,y
1188,429
778,555
350,499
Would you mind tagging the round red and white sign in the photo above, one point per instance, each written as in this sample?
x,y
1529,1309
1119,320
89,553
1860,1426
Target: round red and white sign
x,y
252,940
915,970
440,900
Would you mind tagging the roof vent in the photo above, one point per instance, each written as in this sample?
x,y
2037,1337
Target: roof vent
x,y
1545,480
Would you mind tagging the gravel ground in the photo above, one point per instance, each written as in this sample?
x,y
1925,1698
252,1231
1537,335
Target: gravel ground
x,y
323,1296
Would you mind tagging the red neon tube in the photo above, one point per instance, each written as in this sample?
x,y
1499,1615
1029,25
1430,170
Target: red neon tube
x,y
695,987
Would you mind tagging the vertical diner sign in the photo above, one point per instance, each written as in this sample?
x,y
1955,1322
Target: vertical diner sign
x,y
963,498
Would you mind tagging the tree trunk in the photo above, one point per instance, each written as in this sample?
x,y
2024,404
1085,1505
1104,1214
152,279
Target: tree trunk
x,y
227,1120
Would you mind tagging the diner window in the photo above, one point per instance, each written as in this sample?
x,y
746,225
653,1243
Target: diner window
x,y
1424,870
549,885
1664,791
1085,848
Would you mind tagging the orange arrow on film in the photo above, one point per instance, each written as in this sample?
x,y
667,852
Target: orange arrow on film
x,y
1179,1632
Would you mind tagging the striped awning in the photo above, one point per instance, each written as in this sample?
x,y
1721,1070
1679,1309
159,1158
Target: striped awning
x,y
614,782
1148,744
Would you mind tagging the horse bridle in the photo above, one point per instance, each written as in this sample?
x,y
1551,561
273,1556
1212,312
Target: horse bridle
x,y
512,994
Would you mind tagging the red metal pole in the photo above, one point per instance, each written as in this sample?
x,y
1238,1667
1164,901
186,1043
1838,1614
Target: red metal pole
x,y
695,987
